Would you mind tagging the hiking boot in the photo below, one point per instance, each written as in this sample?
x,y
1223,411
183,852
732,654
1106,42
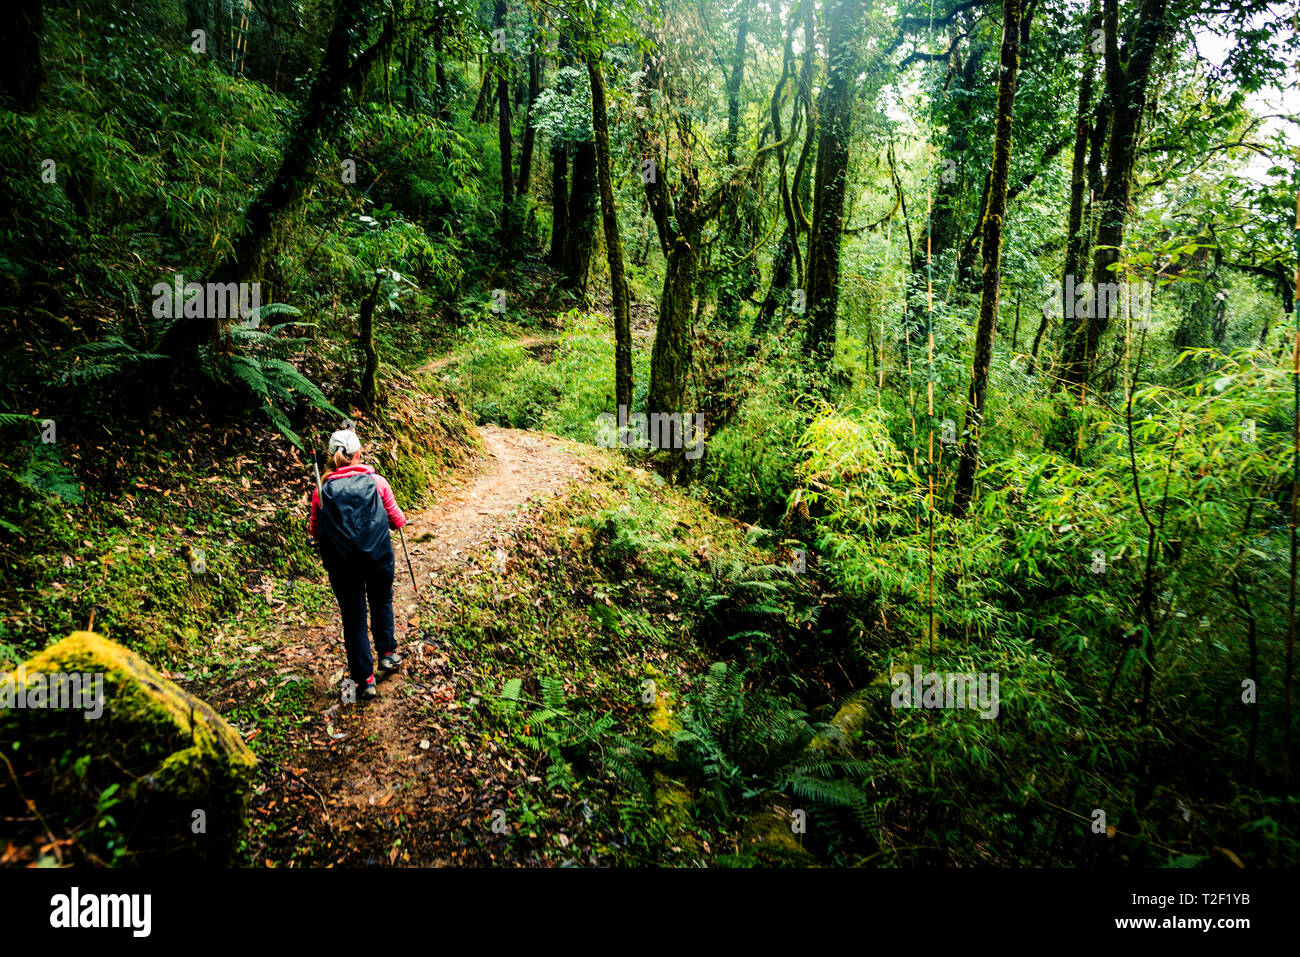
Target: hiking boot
x,y
368,692
390,662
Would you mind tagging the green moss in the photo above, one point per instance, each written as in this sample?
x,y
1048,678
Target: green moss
x,y
672,809
769,837
169,754
853,718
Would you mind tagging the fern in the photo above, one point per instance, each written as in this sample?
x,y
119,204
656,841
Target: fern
x,y
273,384
558,732
103,360
249,372
43,477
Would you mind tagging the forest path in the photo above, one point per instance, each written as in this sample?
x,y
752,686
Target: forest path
x,y
528,342
395,780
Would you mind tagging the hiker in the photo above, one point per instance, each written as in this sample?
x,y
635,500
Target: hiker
x,y
351,514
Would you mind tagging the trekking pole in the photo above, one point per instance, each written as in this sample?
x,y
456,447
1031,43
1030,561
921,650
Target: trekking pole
x,y
319,491
408,561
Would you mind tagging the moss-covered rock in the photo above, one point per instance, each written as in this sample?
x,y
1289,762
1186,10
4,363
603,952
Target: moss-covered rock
x,y
770,838
672,810
862,716
169,754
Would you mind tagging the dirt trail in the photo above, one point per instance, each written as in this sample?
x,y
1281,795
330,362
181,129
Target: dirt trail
x,y
392,768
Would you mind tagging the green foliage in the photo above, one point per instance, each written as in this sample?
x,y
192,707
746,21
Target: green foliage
x,y
732,734
563,111
750,464
563,393
559,732
261,369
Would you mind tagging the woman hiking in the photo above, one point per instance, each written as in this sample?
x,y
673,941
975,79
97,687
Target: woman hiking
x,y
351,513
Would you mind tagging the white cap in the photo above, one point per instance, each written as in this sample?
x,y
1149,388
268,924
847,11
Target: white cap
x,y
346,440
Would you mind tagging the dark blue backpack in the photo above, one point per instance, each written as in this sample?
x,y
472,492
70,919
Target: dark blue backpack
x,y
354,524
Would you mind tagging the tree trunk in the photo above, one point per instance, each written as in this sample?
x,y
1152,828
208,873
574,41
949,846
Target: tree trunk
x,y
483,106
22,72
781,263
734,79
195,19
801,188
737,282
1075,239
788,247
320,119
506,143
613,245
559,205
831,184
413,55
1126,86
670,358
942,227
369,357
991,253
970,249
504,138
439,71
581,231
530,132
1076,242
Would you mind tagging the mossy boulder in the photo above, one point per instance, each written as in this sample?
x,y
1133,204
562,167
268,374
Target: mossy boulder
x,y
864,716
141,770
769,837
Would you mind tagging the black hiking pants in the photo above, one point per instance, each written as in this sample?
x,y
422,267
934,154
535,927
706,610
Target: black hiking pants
x,y
353,586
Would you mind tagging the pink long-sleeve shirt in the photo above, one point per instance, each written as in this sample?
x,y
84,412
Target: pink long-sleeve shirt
x,y
395,517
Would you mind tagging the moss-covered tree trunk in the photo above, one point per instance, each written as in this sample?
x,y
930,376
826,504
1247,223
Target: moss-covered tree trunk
x,y
678,222
787,247
991,252
485,105
1126,87
670,357
969,253
738,222
613,244
414,54
506,143
440,97
319,121
1076,242
317,124
941,231
505,140
559,205
580,234
195,19
831,185
735,77
530,132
